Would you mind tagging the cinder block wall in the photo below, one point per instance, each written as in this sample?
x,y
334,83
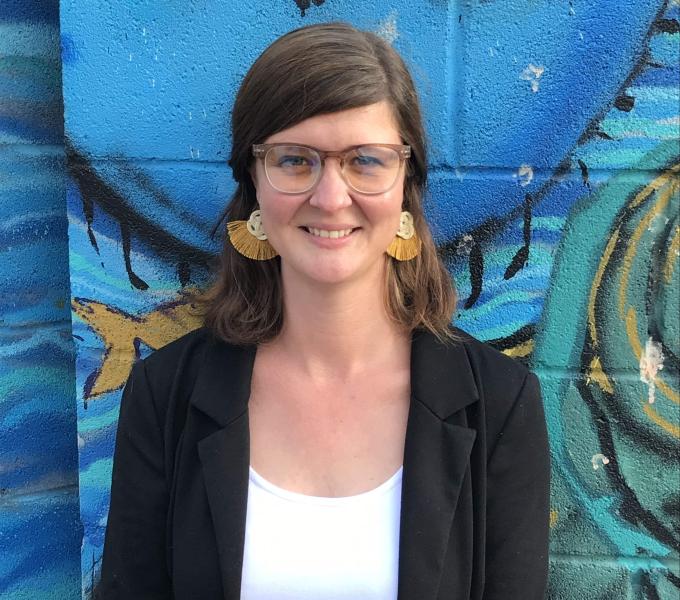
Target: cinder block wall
x,y
555,168
40,530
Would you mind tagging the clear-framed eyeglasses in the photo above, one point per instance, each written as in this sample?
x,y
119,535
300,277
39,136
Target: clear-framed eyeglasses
x,y
367,169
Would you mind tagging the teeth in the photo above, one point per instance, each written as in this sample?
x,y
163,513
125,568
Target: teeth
x,y
326,233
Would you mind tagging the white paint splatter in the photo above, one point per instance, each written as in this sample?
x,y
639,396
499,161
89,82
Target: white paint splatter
x,y
130,57
651,362
153,82
464,247
190,116
533,73
387,30
81,442
580,35
599,460
654,223
525,173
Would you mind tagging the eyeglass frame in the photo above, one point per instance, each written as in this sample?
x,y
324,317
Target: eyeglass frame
x,y
261,150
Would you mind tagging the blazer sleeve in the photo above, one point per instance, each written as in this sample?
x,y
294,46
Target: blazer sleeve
x,y
134,560
518,502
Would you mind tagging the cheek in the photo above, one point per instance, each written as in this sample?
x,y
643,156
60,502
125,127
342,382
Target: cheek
x,y
277,211
389,212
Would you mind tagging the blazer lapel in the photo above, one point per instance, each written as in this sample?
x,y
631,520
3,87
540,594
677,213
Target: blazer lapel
x,y
221,392
435,461
435,457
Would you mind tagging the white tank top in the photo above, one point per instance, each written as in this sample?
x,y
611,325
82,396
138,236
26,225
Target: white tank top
x,y
301,547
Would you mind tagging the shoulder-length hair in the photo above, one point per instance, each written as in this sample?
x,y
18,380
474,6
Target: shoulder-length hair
x,y
315,70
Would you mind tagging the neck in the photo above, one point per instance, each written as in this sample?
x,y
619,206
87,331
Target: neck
x,y
338,330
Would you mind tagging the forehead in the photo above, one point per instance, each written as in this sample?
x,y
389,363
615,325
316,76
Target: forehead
x,y
374,123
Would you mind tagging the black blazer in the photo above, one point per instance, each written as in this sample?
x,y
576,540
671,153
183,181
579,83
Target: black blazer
x,y
474,514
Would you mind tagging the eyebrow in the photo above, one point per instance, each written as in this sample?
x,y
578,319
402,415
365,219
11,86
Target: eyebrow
x,y
316,147
339,149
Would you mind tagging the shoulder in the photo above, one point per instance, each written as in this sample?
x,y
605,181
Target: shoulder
x,y
461,371
174,367
505,386
178,351
493,370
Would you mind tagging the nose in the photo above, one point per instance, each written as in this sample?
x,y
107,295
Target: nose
x,y
331,193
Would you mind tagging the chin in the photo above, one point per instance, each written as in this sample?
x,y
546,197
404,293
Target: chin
x,y
331,276
337,272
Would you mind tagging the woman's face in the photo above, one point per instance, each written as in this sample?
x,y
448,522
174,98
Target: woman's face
x,y
299,226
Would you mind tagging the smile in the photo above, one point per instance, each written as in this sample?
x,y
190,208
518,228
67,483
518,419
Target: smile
x,y
329,233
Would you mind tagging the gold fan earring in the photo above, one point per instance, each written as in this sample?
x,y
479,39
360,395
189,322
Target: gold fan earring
x,y
249,239
406,243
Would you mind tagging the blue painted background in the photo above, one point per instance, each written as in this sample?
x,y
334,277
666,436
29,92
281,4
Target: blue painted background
x,y
40,530
555,183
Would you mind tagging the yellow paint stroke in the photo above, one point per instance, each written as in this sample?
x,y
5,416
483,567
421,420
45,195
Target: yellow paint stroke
x,y
634,340
520,350
671,428
664,196
656,184
120,330
631,330
596,374
604,261
553,517
643,225
671,256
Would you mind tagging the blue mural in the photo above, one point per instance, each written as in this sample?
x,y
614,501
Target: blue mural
x,y
554,199
40,530
547,150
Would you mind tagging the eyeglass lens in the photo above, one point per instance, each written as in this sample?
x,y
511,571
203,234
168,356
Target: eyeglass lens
x,y
367,169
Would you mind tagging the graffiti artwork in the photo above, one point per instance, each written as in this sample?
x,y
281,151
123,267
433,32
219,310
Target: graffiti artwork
x,y
554,198
40,530
565,253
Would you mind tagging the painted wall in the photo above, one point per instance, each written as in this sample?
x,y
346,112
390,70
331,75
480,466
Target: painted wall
x,y
554,198
40,530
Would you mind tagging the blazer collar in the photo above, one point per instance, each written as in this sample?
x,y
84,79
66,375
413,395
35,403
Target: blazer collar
x,y
436,459
222,387
437,449
441,377
221,392
441,374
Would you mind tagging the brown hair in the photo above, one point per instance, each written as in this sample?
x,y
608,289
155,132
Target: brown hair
x,y
315,70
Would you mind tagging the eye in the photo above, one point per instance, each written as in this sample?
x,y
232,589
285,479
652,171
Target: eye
x,y
372,159
293,160
367,160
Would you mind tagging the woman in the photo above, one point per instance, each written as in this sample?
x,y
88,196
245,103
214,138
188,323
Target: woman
x,y
327,434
